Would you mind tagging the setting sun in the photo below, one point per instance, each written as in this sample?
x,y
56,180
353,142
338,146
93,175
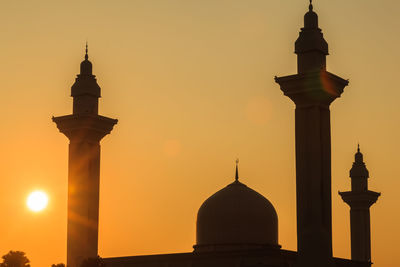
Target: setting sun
x,y
37,201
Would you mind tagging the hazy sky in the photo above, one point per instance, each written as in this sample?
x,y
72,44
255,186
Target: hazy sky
x,y
191,82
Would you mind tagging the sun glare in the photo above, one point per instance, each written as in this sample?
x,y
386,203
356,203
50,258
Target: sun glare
x,y
37,201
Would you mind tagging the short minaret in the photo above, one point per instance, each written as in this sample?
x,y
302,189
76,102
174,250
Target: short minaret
x,y
312,90
360,199
84,129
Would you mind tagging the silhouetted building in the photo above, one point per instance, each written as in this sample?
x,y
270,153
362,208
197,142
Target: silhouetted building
x,y
313,89
236,227
84,129
360,199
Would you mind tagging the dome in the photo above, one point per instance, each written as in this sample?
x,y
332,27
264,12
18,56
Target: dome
x,y
234,218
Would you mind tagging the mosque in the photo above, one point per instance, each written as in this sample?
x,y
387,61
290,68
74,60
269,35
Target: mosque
x,y
236,227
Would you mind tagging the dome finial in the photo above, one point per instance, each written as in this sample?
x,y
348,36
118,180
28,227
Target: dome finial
x,y
86,54
237,170
310,7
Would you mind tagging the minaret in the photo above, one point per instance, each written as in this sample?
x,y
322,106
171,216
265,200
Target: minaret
x,y
84,129
313,89
360,199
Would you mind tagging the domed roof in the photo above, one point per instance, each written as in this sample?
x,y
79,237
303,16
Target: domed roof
x,y
236,217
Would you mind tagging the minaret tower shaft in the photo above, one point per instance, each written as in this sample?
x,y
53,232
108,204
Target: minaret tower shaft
x,y
84,129
312,90
360,199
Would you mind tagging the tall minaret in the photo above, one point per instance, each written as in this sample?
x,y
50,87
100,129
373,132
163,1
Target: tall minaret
x,y
313,89
84,129
360,199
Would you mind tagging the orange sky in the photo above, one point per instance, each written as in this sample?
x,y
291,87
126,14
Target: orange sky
x,y
191,83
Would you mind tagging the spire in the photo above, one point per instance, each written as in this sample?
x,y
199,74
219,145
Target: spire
x,y
86,55
237,171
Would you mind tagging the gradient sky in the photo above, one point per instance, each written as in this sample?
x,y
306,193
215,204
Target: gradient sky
x,y
191,83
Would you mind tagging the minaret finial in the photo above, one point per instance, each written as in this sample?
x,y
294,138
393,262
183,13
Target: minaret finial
x,y
358,148
86,54
310,7
237,171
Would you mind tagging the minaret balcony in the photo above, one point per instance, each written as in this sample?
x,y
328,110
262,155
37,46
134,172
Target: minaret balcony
x,y
360,200
84,127
312,88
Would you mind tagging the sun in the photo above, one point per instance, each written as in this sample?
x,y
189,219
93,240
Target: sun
x,y
37,201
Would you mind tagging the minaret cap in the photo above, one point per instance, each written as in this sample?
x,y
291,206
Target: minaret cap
x,y
358,156
359,170
86,65
310,18
311,46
